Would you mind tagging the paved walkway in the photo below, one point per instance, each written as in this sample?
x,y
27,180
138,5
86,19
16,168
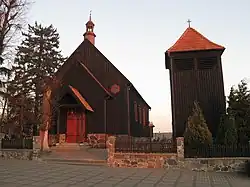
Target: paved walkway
x,y
34,173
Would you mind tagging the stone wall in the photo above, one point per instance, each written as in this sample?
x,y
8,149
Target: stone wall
x,y
97,140
139,160
216,164
172,160
53,139
21,154
62,138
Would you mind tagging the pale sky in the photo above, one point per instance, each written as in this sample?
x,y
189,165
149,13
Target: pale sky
x,y
134,34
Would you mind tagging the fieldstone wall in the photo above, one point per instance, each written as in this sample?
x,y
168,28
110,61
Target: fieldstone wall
x,y
62,138
20,154
216,164
97,140
139,160
172,160
53,139
180,147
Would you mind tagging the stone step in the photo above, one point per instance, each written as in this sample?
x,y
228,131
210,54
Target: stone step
x,y
76,162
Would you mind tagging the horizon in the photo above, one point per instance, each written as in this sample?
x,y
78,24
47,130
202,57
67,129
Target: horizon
x,y
138,36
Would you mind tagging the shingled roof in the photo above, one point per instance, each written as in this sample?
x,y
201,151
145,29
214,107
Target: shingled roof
x,y
192,40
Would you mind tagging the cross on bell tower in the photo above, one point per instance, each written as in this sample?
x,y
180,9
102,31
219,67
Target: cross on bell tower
x,y
89,34
189,21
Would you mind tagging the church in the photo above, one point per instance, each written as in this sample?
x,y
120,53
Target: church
x,y
195,68
96,98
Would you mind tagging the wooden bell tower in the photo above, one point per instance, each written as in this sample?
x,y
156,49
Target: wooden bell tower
x,y
195,68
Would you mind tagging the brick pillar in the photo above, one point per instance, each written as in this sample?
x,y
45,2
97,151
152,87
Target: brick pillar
x,y
180,147
111,150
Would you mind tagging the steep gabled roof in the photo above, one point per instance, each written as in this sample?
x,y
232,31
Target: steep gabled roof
x,y
76,57
81,99
192,40
125,78
97,81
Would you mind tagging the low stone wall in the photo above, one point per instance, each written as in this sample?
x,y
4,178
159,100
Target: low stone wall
x,y
62,138
144,160
216,164
172,160
20,154
53,139
97,140
139,160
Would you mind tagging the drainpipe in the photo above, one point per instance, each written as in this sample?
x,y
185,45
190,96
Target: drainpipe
x,y
105,116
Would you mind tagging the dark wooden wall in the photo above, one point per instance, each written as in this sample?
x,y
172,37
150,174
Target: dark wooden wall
x,y
93,94
107,74
198,77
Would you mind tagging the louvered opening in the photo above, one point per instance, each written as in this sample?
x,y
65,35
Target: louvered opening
x,y
183,64
207,63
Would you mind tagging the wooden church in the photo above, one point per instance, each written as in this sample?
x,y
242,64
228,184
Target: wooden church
x,y
96,98
195,68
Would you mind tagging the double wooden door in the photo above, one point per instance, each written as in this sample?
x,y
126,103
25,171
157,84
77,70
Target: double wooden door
x,y
76,127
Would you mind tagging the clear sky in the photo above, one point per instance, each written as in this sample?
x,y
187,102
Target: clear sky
x,y
134,34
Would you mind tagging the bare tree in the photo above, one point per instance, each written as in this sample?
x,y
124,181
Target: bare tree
x,y
12,20
12,16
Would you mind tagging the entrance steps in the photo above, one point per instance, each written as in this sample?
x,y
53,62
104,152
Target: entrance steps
x,y
82,162
67,146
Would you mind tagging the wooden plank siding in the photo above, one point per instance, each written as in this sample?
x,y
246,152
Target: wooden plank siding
x,y
204,85
107,74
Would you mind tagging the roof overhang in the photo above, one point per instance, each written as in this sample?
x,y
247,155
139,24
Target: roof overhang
x,y
80,99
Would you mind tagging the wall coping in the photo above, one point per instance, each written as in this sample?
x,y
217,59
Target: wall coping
x,y
217,158
151,154
19,150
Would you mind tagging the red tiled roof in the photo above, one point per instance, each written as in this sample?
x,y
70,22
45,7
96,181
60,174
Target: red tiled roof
x,y
192,40
81,98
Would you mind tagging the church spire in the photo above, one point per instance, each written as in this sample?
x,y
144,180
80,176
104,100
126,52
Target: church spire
x,y
89,34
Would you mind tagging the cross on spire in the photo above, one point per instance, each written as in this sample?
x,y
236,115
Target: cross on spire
x,y
189,21
90,15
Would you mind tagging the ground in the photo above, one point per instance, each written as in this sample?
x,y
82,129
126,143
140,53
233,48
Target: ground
x,y
38,173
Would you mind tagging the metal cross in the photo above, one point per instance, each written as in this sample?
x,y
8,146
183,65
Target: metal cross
x,y
90,14
189,21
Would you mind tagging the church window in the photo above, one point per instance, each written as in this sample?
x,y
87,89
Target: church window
x,y
136,111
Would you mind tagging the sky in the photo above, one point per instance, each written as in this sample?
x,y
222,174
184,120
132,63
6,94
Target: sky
x,y
134,36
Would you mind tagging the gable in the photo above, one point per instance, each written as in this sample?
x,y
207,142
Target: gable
x,y
104,70
101,68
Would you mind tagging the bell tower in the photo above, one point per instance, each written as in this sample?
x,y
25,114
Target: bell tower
x,y
89,34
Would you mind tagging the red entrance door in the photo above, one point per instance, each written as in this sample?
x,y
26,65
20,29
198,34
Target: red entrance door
x,y
75,127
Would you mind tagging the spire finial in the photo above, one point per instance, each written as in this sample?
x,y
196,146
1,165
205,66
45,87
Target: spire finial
x,y
189,21
90,15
